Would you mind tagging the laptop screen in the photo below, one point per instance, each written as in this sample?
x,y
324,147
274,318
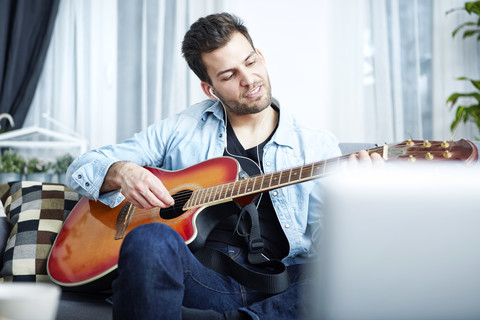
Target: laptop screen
x,y
401,243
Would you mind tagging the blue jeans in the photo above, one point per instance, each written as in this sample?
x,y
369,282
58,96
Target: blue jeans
x,y
158,275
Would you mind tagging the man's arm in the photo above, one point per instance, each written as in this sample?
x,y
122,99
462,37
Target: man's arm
x,y
138,185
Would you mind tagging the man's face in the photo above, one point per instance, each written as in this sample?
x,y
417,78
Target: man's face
x,y
239,76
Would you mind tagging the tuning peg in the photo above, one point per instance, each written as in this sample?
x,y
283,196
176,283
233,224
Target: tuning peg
x,y
445,144
447,154
427,144
429,156
409,143
411,158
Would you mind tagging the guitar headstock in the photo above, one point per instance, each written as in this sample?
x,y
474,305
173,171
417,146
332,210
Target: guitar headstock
x,y
414,150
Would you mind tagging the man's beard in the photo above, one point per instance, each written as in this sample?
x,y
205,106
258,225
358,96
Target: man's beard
x,y
252,107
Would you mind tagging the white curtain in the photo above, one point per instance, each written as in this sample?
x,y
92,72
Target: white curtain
x,y
453,58
115,66
416,62
367,70
77,91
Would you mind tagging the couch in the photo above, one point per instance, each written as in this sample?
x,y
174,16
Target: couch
x,y
50,204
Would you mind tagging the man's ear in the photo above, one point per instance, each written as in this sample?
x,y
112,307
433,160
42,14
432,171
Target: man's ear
x,y
208,90
260,54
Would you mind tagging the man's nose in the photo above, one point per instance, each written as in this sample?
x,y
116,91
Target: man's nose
x,y
247,78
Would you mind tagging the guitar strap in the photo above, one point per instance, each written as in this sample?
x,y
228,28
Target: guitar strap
x,y
272,279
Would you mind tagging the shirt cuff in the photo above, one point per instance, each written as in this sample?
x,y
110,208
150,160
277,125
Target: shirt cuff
x,y
89,180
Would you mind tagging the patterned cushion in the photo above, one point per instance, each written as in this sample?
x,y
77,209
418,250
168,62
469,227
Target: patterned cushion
x,y
36,212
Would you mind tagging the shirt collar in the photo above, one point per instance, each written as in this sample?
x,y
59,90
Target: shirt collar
x,y
215,108
283,134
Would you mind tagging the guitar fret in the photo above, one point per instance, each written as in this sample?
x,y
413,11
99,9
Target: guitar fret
x,y
193,196
306,171
197,197
331,166
245,189
228,191
285,176
294,174
209,195
260,187
250,185
265,184
256,185
236,188
220,192
274,179
216,193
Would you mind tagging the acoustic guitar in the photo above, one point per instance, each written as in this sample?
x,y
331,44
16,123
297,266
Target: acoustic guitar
x,y
87,247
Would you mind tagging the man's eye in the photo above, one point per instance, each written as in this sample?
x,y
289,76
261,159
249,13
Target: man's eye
x,y
229,77
251,62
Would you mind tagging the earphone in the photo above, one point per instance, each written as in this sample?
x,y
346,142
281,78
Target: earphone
x,y
225,137
239,156
213,94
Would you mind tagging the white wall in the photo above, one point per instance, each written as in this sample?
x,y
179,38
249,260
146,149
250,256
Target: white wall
x,y
293,36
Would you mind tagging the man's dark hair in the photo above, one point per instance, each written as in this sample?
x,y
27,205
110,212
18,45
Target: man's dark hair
x,y
207,34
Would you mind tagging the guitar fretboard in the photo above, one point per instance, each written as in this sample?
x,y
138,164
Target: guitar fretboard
x,y
261,183
410,149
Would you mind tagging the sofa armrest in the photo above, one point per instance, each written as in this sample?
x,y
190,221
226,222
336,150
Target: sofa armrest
x,y
4,232
351,147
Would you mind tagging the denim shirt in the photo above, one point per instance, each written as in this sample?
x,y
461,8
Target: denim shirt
x,y
198,133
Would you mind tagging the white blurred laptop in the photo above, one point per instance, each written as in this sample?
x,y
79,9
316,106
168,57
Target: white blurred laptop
x,y
400,244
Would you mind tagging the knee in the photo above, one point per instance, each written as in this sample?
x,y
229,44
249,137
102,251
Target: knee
x,y
148,238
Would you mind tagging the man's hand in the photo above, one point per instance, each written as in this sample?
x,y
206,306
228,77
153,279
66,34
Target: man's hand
x,y
362,158
139,186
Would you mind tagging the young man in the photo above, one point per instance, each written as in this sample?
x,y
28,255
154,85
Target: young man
x,y
159,278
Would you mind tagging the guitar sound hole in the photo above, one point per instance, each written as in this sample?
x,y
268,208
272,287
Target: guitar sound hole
x,y
176,210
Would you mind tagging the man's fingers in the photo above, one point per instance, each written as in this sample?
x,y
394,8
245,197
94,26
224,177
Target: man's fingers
x,y
161,196
143,188
365,160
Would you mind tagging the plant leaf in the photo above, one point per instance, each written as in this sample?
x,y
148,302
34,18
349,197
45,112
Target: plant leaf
x,y
476,83
470,33
455,96
457,29
458,117
473,6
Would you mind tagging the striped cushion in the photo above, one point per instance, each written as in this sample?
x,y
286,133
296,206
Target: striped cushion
x,y
36,212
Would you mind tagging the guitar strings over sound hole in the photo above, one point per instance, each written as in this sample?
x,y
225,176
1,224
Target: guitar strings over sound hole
x,y
176,210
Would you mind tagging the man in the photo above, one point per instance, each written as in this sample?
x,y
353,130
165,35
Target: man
x,y
159,278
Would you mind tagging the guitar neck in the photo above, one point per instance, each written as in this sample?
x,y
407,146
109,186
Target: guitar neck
x,y
410,150
266,182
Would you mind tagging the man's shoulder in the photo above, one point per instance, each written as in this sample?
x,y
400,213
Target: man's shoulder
x,y
296,125
200,109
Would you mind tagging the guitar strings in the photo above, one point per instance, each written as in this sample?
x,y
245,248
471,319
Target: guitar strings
x,y
184,195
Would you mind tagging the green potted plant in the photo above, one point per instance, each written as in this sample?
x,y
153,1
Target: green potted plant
x,y
470,110
61,166
12,166
37,170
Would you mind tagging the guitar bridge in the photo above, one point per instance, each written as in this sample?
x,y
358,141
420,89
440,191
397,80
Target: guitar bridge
x,y
123,220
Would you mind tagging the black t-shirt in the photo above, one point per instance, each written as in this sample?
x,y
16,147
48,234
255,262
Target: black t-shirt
x,y
275,243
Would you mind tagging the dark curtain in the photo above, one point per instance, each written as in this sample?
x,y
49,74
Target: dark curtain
x,y
25,30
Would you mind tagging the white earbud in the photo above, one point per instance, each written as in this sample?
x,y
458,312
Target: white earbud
x,y
213,94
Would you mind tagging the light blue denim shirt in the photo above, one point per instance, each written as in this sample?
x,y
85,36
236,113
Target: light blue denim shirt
x,y
197,134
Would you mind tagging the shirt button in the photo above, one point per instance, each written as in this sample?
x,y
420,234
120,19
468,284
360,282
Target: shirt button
x,y
79,176
268,163
87,184
274,193
220,135
287,226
